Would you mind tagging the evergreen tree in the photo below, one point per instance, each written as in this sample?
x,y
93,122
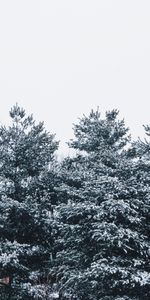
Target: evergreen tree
x,y
27,197
102,252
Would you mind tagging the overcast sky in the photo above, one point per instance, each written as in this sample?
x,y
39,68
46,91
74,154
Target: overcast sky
x,y
60,58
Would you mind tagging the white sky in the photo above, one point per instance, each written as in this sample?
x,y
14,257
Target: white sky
x,y
60,58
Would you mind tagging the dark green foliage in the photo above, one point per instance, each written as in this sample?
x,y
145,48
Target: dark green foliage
x,y
103,250
79,229
94,134
27,196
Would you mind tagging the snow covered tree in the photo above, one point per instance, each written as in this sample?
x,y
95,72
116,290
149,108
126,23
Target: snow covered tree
x,y
102,252
27,197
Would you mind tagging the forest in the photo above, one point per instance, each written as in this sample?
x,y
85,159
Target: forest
x,y
76,228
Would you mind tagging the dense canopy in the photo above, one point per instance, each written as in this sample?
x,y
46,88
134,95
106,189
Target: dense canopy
x,y
79,228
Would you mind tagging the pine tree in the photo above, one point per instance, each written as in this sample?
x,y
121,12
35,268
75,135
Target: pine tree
x,y
103,246
27,197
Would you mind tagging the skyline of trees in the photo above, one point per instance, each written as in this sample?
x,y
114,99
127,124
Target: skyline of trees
x,y
76,228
